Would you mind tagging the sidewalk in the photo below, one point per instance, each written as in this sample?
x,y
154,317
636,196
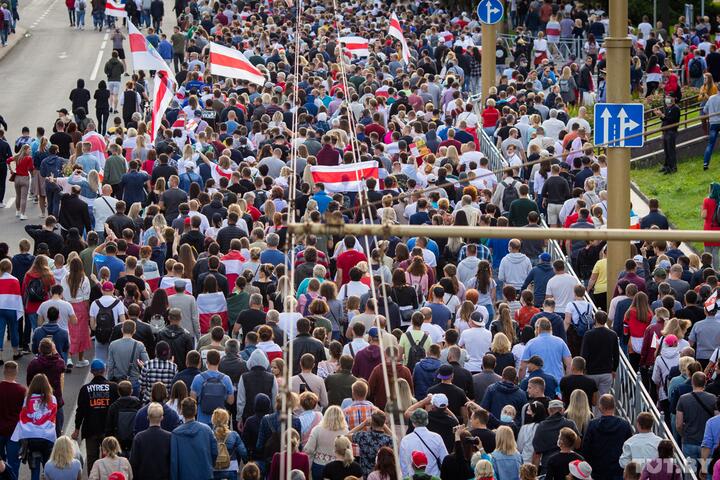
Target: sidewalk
x,y
640,207
13,40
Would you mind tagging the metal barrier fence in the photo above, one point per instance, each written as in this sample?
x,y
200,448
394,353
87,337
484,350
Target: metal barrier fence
x,y
630,394
560,51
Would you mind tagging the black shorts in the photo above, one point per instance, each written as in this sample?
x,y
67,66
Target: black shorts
x,y
121,53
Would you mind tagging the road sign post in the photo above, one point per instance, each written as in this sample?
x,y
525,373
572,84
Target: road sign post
x,y
618,78
490,12
619,124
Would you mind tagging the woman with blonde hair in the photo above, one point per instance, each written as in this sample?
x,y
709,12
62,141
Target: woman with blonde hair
x,y
677,327
20,176
501,348
568,87
344,464
484,470
452,156
110,462
76,291
235,447
320,447
506,460
63,464
578,410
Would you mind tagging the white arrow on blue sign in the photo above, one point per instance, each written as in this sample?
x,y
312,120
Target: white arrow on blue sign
x,y
490,11
615,122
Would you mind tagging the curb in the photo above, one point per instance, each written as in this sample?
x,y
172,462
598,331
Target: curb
x,y
644,198
20,33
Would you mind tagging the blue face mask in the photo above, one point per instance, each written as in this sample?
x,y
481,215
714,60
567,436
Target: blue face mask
x,y
505,418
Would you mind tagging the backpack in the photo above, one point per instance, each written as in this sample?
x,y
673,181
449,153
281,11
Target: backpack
x,y
126,426
222,461
306,307
81,5
510,193
157,323
104,321
213,393
695,68
585,321
417,351
35,290
272,444
564,86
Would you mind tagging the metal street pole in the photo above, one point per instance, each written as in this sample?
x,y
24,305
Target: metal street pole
x,y
618,91
488,60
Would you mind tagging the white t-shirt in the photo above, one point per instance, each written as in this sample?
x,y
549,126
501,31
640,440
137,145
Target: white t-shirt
x,y
106,301
351,288
103,208
436,333
562,289
477,342
64,308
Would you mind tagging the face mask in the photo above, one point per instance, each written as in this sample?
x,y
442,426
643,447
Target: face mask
x,y
506,418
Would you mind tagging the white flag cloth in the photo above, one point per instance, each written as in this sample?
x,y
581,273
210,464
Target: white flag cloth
x,y
115,8
163,91
357,46
227,62
344,178
397,32
144,55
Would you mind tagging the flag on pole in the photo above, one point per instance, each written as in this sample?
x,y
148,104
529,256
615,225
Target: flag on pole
x,y
357,46
144,55
209,304
344,178
397,32
163,91
115,8
227,62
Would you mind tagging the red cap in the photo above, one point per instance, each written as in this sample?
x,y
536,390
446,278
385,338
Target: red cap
x,y
116,476
186,221
108,287
419,459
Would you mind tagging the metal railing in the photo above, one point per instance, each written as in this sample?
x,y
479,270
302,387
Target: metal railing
x,y
631,396
560,51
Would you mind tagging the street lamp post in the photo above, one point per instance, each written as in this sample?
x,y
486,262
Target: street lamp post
x,y
617,46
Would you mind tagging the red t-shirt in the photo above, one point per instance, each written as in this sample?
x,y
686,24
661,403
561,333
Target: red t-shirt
x,y
710,205
490,117
13,395
346,261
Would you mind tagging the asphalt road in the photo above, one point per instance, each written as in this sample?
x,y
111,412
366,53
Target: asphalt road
x,y
37,76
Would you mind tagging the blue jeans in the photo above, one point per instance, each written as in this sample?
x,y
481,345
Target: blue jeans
x,y
101,350
80,22
712,137
4,30
30,326
145,18
10,451
316,471
8,318
98,19
227,475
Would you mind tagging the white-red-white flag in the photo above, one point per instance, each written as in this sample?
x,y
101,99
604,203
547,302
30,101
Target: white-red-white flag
x,y
209,304
344,178
164,89
397,32
115,8
227,62
144,55
357,46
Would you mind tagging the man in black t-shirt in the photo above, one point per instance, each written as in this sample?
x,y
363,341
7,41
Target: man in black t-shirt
x,y
252,317
455,395
557,466
578,380
61,139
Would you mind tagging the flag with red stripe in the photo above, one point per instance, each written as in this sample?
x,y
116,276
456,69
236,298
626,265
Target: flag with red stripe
x,y
164,89
10,298
168,284
357,46
144,55
396,31
230,63
344,178
115,8
233,263
209,304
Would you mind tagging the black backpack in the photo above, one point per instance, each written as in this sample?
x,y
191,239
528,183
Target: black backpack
x,y
213,393
510,194
272,444
695,68
35,290
126,427
104,321
417,351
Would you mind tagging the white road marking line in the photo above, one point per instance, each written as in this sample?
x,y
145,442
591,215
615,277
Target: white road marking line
x,y
93,76
106,36
102,45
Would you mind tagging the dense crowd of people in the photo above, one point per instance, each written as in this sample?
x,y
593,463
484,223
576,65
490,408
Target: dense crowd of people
x,y
165,266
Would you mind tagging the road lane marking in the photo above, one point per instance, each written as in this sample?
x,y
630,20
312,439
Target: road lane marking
x,y
93,76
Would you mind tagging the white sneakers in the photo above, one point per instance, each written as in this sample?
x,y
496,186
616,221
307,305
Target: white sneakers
x,y
23,217
82,363
2,205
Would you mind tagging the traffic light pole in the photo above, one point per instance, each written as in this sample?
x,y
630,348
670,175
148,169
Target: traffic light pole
x,y
618,46
488,60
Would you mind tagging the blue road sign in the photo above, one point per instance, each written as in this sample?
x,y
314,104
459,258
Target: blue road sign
x,y
614,122
490,11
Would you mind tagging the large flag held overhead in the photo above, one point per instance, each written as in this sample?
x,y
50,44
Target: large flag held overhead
x,y
227,62
164,89
397,32
144,55
357,46
115,8
344,178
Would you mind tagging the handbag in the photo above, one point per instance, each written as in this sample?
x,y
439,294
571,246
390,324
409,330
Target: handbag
x,y
12,176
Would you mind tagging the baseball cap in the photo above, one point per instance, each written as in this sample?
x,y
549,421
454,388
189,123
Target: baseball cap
x,y
671,340
179,283
660,272
64,111
116,476
536,360
638,258
419,459
108,287
373,332
580,469
439,400
431,178
186,221
97,365
42,247
445,372
545,257
419,417
664,264
555,404
477,318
